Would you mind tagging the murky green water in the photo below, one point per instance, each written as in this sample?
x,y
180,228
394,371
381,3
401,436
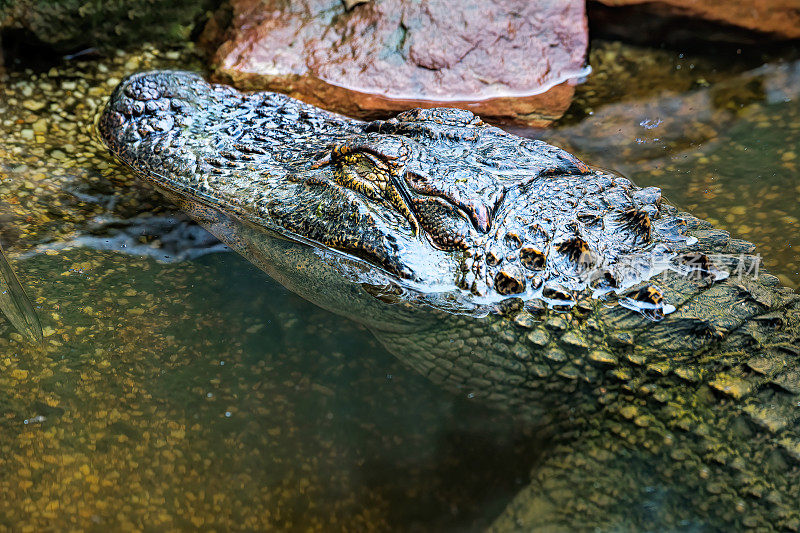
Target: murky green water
x,y
201,394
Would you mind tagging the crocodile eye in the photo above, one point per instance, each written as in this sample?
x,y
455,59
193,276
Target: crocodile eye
x,y
478,206
375,167
370,167
364,173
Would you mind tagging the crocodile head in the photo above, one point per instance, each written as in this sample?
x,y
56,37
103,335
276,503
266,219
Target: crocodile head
x,y
435,198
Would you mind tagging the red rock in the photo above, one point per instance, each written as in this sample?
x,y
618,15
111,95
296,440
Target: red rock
x,y
781,18
507,60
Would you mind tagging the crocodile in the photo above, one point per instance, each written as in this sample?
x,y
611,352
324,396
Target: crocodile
x,y
661,365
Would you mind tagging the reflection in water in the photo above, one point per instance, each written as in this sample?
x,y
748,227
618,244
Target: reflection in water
x,y
203,395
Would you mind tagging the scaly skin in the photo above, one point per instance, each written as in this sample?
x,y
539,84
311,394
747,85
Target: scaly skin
x,y
507,269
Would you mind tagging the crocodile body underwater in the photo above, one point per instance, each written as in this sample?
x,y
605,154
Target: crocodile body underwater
x,y
665,372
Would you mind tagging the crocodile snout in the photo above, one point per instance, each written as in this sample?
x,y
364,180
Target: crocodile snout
x,y
148,105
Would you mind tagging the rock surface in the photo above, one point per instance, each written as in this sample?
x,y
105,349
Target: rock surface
x,y
781,18
507,60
